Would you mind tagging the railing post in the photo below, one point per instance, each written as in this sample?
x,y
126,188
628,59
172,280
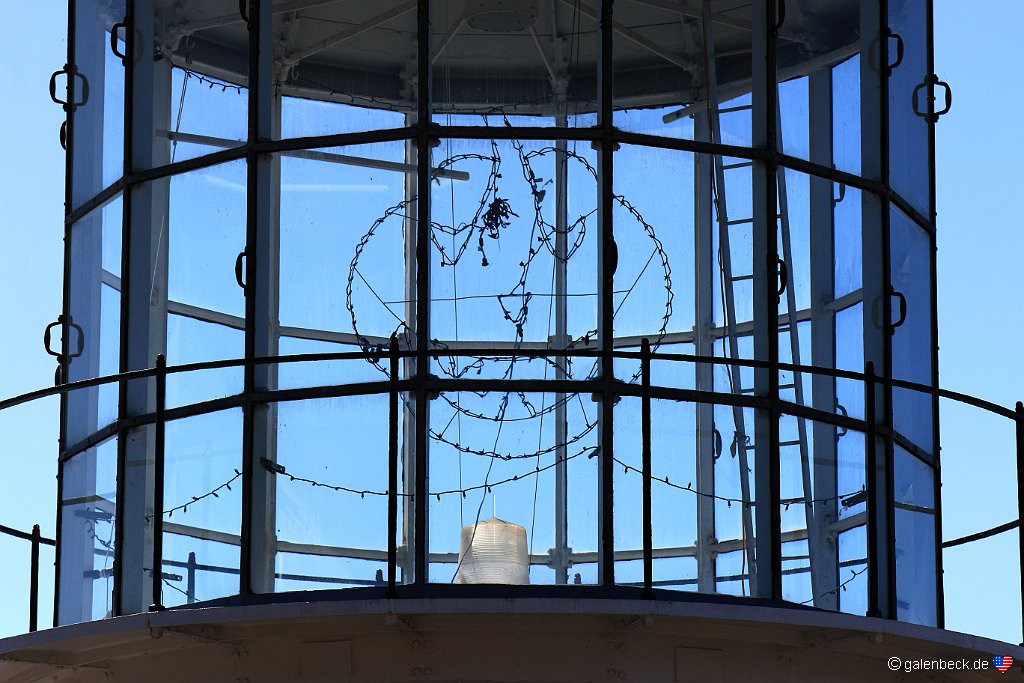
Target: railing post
x,y
645,435
1020,505
33,591
158,485
393,467
190,581
871,482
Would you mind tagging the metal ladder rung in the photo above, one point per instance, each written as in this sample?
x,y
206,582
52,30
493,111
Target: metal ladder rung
x,y
784,444
739,221
738,107
741,277
751,390
739,164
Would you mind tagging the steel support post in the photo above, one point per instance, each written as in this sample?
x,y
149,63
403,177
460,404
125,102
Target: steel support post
x,y
607,258
144,277
704,345
424,145
561,340
823,548
265,290
875,278
767,580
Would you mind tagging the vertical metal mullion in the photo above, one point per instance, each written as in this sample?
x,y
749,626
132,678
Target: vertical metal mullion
x,y
875,273
122,387
933,258
871,466
423,150
1020,504
704,380
263,289
33,591
607,261
645,438
561,341
889,532
393,368
768,545
158,488
245,583
772,302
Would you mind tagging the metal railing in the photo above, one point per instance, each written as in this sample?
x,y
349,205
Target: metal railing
x,y
394,386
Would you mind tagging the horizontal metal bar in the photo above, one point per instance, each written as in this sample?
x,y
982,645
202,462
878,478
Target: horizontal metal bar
x,y
315,155
970,538
103,197
18,533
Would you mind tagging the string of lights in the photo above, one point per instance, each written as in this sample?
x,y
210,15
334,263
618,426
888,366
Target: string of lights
x,y
854,573
492,216
592,451
212,493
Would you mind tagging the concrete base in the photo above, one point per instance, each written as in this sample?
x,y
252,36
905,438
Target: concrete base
x,y
522,639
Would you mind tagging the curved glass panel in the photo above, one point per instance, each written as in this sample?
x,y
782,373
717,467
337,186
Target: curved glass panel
x,y
97,97
519,247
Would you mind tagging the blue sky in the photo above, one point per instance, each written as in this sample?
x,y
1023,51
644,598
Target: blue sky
x,y
979,277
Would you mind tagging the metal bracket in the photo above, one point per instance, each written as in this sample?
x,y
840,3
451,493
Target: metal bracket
x,y
63,135
841,409
113,41
929,82
71,72
239,272
47,338
243,11
781,5
903,309
783,271
899,50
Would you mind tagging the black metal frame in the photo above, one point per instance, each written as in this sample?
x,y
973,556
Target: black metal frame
x,y
424,133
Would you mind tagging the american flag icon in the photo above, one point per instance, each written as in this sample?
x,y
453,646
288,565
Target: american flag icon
x,y
1002,663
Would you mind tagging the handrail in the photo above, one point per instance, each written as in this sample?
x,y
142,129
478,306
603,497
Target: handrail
x,y
499,352
645,390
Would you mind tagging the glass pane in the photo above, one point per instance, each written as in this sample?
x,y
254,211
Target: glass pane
x,y
505,251
344,67
846,113
98,90
345,214
503,473
822,495
735,502
534,62
909,144
202,507
87,534
915,567
202,216
914,489
820,82
912,339
654,229
329,497
676,494
853,579
95,307
190,75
